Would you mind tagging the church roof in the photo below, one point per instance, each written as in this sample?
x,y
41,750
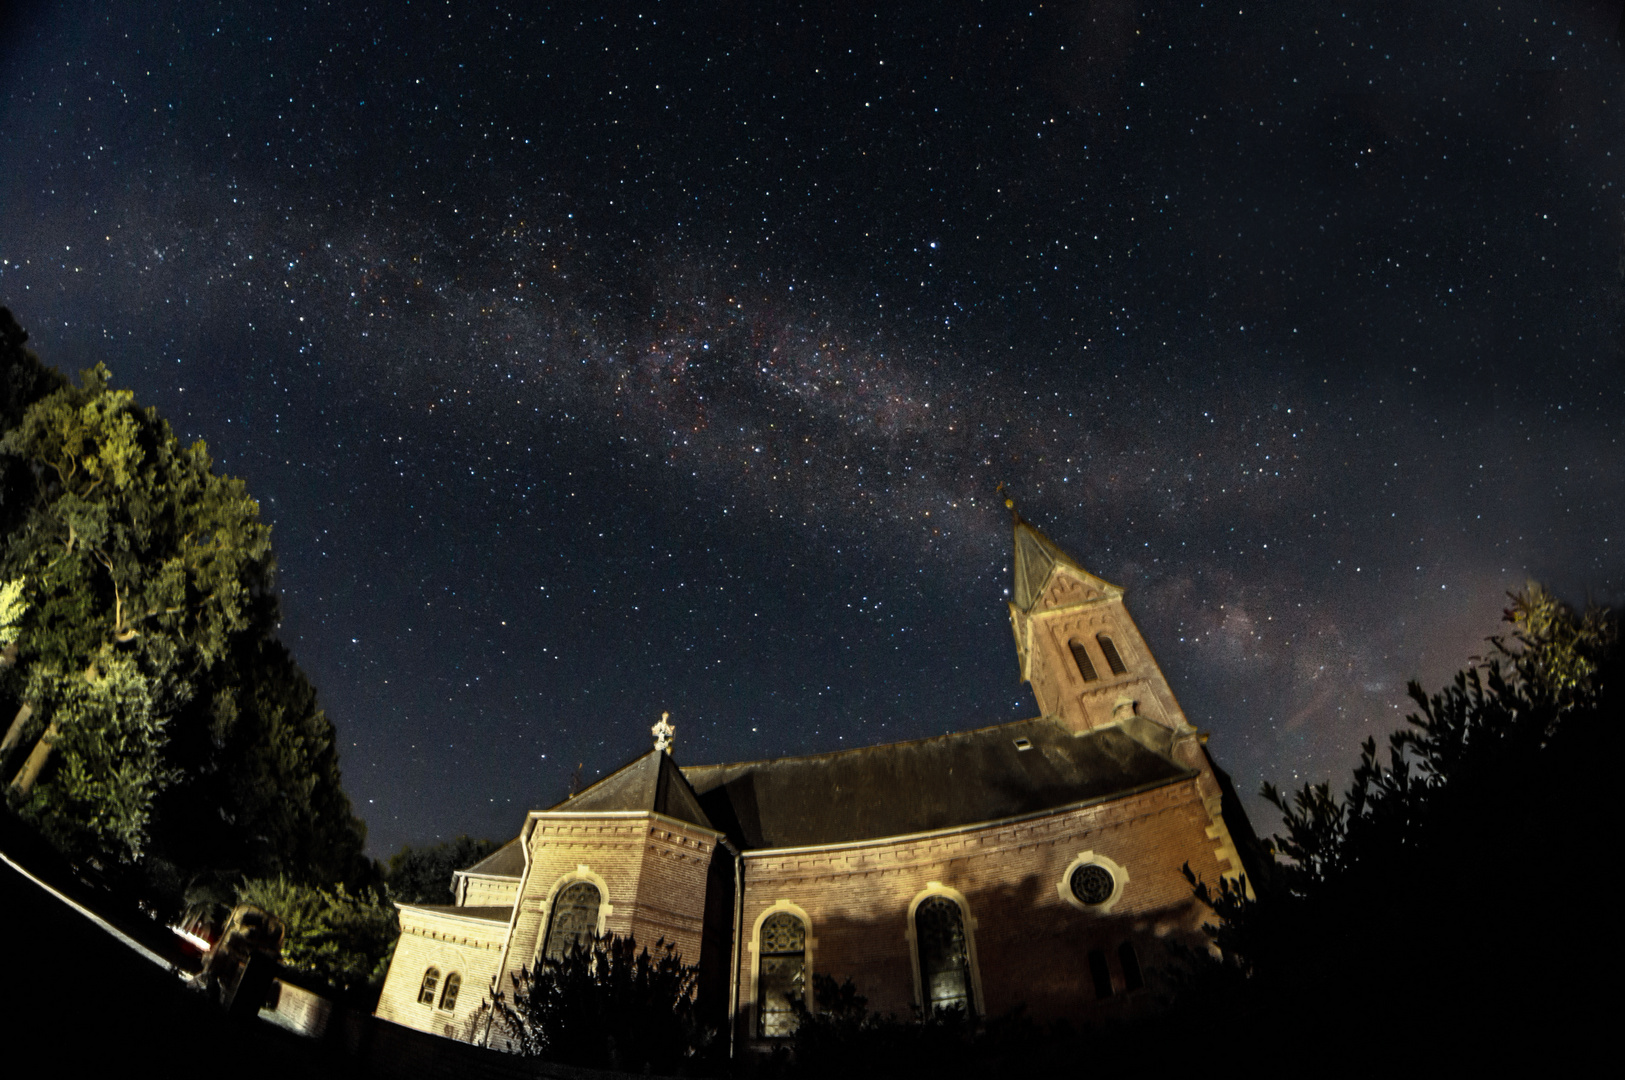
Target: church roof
x,y
506,861
1036,555
652,782
938,783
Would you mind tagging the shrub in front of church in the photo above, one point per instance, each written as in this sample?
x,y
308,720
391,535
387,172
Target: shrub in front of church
x,y
606,1004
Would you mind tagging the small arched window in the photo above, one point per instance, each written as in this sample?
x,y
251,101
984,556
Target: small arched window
x,y
781,975
1109,651
939,928
448,996
574,919
431,981
1080,656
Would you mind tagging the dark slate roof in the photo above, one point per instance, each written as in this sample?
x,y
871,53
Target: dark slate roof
x,y
652,782
483,914
506,861
937,783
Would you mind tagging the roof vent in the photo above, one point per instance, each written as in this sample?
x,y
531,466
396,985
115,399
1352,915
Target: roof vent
x,y
1023,743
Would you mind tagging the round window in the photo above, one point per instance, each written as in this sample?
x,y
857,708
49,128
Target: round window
x,y
1092,884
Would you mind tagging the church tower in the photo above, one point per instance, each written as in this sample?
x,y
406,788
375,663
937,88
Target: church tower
x,y
1077,645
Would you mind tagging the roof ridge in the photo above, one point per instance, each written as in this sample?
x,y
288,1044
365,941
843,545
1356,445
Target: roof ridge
x,y
872,746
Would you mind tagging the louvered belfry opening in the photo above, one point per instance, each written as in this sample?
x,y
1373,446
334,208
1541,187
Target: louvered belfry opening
x,y
782,975
1080,656
939,928
1109,651
574,919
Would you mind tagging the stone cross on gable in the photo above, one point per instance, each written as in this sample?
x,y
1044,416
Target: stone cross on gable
x,y
663,733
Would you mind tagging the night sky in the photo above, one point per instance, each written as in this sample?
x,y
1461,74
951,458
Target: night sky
x,y
598,360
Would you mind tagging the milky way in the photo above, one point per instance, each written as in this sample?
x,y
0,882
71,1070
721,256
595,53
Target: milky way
x,y
590,366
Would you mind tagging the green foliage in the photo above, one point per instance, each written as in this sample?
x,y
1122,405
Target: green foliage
x,y
1488,805
606,1005
111,744
13,605
422,875
343,937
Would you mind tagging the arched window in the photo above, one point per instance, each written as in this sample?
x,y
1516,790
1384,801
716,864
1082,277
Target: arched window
x,y
574,919
939,928
1133,978
781,974
431,980
1080,656
1101,974
448,996
1109,651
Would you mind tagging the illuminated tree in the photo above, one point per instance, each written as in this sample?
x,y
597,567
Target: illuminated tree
x,y
158,725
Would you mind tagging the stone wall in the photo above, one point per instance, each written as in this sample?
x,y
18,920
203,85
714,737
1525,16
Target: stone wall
x,y
448,943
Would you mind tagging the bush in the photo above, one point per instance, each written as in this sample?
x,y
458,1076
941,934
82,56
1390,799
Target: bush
x,y
343,938
607,1005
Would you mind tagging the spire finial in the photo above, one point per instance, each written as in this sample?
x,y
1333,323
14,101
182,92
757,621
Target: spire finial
x,y
663,733
1009,502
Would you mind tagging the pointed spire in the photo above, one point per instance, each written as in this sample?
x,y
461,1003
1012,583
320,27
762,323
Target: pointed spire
x,y
1036,555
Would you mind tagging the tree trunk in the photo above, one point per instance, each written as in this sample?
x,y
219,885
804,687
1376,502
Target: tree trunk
x,y
14,734
35,764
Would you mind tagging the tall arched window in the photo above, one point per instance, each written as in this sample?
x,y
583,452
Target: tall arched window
x,y
574,918
431,980
1080,656
1109,651
448,996
1129,960
781,974
1101,974
939,928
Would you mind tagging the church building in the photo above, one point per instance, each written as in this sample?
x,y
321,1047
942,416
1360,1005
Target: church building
x,y
1033,863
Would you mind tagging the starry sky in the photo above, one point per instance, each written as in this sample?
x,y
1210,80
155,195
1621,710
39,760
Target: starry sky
x,y
597,360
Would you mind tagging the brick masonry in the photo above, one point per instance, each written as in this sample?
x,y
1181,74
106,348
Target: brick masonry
x,y
1029,945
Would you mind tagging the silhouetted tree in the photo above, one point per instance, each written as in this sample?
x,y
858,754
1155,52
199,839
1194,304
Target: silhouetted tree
x,y
422,875
1446,872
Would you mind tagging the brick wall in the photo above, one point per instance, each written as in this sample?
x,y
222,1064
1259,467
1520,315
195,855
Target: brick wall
x,y
650,871
1030,946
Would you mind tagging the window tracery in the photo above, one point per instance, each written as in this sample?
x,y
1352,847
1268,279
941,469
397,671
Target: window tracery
x,y
574,919
448,996
939,927
431,980
781,974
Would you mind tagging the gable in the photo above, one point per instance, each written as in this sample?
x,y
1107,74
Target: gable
x,y
1068,588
